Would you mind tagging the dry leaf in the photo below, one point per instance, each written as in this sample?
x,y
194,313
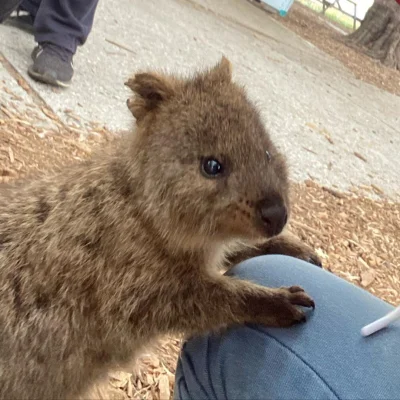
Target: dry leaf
x,y
309,150
163,386
11,155
377,189
363,263
49,114
312,126
119,379
22,82
360,156
334,192
367,277
327,135
115,394
151,361
321,253
129,389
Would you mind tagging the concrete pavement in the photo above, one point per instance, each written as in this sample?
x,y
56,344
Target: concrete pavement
x,y
318,113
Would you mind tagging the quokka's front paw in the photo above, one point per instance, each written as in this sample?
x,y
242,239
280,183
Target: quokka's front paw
x,y
309,255
302,251
291,246
280,308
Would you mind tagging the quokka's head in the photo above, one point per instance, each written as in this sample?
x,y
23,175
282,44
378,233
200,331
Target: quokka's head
x,y
207,164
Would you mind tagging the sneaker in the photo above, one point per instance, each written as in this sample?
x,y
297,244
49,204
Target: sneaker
x,y
51,64
7,7
22,20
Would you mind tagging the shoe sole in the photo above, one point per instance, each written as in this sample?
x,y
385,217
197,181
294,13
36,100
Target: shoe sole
x,y
47,79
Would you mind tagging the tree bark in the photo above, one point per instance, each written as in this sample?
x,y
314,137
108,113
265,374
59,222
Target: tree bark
x,y
379,33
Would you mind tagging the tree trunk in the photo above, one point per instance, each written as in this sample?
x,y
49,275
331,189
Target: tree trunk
x,y
379,33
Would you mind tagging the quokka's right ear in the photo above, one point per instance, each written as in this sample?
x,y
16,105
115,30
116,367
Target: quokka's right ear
x,y
150,90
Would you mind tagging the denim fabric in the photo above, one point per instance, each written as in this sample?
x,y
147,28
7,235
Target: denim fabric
x,y
326,358
66,23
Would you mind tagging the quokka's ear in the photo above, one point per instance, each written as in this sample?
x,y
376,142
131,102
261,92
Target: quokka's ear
x,y
221,72
150,90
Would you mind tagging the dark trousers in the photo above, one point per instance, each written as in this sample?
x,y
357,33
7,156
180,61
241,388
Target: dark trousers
x,y
66,23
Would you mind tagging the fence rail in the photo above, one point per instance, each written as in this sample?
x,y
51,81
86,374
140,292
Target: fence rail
x,y
336,4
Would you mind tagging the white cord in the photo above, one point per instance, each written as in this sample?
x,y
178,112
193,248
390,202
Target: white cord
x,y
381,323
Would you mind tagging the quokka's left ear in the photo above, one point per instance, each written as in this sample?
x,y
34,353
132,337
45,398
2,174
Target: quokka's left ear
x,y
150,90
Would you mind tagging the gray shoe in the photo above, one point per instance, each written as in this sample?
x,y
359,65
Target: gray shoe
x,y
21,19
51,64
7,7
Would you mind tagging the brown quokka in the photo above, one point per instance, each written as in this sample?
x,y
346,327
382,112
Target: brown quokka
x,y
102,258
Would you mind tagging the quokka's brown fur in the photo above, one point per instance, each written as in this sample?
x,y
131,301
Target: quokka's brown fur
x,y
99,260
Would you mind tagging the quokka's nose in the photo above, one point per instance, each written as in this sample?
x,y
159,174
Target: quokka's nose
x,y
273,215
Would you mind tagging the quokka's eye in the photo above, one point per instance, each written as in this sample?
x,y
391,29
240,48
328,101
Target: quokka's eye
x,y
211,167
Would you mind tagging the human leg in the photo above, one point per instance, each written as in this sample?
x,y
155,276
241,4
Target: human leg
x,y
65,23
326,358
60,27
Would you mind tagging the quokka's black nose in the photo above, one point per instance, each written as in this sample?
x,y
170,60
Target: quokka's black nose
x,y
273,215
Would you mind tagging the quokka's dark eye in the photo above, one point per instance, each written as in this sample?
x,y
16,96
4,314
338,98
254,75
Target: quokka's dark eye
x,y
211,167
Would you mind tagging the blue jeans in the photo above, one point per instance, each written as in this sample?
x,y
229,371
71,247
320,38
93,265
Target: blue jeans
x,y
325,358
